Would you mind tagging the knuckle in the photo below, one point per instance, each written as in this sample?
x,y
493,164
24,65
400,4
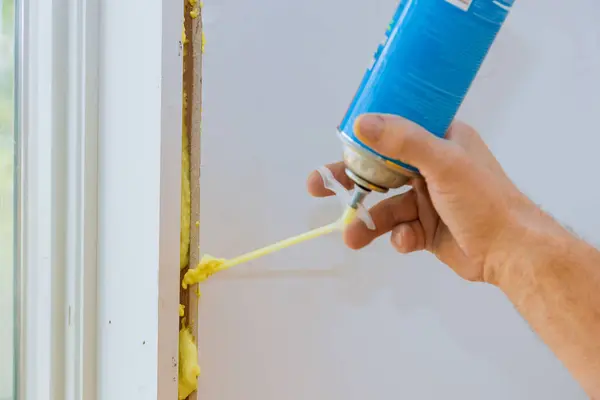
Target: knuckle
x,y
448,162
456,155
405,138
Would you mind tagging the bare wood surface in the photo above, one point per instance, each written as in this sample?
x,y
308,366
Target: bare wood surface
x,y
193,85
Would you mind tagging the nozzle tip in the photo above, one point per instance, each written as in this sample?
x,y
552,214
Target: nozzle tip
x,y
358,197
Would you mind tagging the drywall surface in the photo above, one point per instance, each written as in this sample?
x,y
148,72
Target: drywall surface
x,y
322,322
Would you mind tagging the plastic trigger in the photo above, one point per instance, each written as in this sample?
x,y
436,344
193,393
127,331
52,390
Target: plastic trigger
x,y
345,196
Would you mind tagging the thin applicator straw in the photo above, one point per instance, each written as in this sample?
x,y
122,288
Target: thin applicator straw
x,y
338,225
210,265
253,255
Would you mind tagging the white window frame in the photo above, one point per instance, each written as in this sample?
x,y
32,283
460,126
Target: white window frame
x,y
99,116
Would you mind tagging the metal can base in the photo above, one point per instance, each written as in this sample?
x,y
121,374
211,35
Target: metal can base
x,y
371,171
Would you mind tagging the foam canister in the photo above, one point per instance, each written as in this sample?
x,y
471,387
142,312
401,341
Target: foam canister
x,y
421,71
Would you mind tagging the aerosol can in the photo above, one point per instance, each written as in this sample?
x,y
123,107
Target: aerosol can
x,y
422,71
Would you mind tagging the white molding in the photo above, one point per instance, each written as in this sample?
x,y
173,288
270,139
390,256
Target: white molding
x,y
139,191
36,249
82,167
57,90
99,199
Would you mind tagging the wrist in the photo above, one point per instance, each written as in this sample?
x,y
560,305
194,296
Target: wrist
x,y
531,239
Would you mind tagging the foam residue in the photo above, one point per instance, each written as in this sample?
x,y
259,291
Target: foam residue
x,y
186,201
189,370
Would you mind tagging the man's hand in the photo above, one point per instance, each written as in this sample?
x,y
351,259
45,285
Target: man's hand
x,y
465,211
468,213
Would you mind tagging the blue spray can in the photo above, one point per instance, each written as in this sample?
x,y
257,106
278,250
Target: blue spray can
x,y
421,71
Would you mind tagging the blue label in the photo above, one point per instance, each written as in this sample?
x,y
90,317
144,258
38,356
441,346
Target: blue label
x,y
431,54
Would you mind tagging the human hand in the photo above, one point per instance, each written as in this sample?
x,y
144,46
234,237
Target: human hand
x,y
464,209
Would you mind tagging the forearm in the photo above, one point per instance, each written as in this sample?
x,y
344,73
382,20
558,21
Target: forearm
x,y
554,282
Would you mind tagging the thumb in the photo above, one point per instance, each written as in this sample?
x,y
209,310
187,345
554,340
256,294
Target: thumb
x,y
400,139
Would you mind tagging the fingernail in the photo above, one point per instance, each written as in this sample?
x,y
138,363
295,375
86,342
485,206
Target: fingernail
x,y
370,128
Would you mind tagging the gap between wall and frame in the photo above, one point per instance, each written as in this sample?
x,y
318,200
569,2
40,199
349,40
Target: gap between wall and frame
x,y
192,86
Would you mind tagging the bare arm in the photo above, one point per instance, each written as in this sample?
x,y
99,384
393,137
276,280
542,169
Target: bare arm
x,y
554,282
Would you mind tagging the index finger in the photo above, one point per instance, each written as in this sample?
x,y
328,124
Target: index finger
x,y
315,185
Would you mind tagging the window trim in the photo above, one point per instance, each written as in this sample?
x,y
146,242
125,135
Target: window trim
x,y
68,165
35,246
56,231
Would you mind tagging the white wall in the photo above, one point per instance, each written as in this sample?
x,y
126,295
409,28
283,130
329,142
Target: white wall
x,y
322,322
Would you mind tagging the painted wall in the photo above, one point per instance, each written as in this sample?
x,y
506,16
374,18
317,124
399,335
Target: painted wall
x,y
323,322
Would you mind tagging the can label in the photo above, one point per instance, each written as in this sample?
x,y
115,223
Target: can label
x,y
462,4
424,67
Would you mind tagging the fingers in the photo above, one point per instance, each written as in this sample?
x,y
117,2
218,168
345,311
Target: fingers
x,y
417,235
408,237
315,184
387,214
401,139
448,251
427,214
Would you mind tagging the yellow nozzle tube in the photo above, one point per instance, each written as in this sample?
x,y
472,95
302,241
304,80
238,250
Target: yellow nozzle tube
x,y
347,217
